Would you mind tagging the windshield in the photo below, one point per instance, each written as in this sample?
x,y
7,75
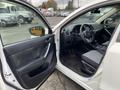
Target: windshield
x,y
102,12
93,16
4,10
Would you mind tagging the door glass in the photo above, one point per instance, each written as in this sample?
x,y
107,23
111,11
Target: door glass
x,y
16,21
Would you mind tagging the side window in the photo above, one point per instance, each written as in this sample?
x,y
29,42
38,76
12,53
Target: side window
x,y
13,8
15,27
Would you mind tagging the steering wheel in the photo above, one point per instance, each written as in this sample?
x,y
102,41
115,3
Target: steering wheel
x,y
87,33
107,25
107,22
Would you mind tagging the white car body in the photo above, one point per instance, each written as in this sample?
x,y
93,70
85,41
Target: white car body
x,y
87,83
107,75
7,18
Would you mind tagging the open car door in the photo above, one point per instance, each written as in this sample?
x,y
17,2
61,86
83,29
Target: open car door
x,y
27,48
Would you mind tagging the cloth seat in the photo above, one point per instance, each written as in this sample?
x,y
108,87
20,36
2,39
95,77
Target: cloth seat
x,y
92,58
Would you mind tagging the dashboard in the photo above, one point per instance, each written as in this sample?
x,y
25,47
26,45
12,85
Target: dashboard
x,y
71,34
67,31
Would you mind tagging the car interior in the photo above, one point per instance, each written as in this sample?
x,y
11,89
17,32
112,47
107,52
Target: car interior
x,y
84,41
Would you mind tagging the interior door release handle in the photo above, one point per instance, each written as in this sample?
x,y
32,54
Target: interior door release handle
x,y
47,51
48,39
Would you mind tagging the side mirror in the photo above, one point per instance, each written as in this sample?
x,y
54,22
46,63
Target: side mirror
x,y
37,31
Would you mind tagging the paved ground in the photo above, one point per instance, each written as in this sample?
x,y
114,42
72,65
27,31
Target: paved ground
x,y
58,81
54,20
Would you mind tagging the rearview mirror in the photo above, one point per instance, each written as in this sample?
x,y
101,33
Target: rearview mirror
x,y
37,31
96,11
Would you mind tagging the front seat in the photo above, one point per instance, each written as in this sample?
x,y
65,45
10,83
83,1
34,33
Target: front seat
x,y
102,48
91,61
106,43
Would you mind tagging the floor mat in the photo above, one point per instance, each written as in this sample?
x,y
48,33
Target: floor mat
x,y
74,63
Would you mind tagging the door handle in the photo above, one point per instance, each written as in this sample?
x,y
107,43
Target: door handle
x,y
48,40
47,51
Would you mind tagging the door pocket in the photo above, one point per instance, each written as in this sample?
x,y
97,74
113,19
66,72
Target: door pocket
x,y
38,70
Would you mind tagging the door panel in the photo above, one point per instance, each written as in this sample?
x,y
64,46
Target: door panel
x,y
32,61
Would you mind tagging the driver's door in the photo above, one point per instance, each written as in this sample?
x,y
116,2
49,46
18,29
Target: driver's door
x,y
27,48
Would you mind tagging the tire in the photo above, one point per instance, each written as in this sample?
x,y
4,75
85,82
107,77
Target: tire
x,y
21,20
3,23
